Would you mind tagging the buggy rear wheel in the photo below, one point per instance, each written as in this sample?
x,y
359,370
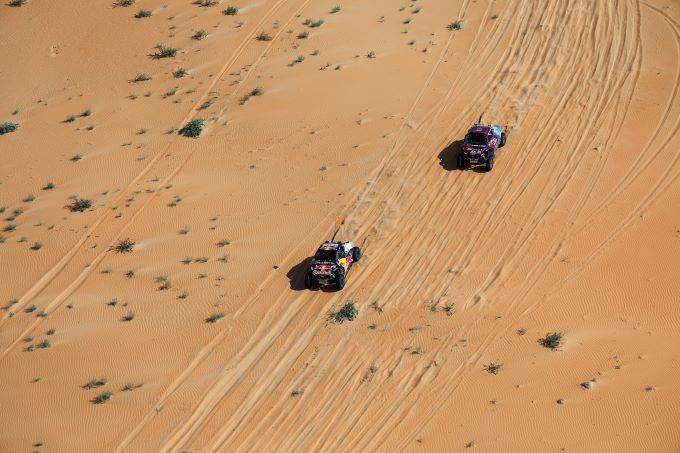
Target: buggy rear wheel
x,y
489,163
356,254
340,281
309,280
502,143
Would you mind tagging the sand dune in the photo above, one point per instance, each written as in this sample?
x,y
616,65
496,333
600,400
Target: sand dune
x,y
353,133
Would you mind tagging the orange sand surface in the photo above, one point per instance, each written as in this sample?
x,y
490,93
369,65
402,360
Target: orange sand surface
x,y
355,136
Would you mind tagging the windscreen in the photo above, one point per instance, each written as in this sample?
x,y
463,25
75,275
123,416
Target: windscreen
x,y
477,138
325,255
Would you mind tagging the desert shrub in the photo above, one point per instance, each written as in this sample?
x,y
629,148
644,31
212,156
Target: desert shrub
x,y
7,127
163,51
81,204
16,2
455,25
143,13
102,397
552,340
44,344
10,227
493,367
199,35
231,11
86,112
214,317
29,198
124,245
313,23
130,316
370,54
49,186
125,2
263,37
93,383
223,242
336,9
347,313
70,119
303,35
36,245
141,77
206,2
193,128
76,157
180,72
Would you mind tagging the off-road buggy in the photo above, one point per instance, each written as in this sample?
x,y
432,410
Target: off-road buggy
x,y
331,263
480,145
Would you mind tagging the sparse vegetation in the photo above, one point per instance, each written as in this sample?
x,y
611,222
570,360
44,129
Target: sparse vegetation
x,y
313,23
17,3
348,312
521,331
93,383
36,245
44,344
70,119
370,54
102,397
141,77
130,386
206,2
29,198
455,25
130,273
7,127
193,128
76,157
223,242
143,13
129,316
86,112
263,37
80,204
552,340
124,245
10,227
180,72
336,9
493,367
231,11
303,35
163,51
214,317
49,186
199,35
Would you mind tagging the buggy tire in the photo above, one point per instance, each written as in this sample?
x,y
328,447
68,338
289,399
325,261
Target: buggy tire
x,y
309,280
356,254
489,163
462,161
502,143
340,280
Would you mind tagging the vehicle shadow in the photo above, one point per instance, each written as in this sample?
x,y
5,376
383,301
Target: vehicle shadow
x,y
296,274
449,155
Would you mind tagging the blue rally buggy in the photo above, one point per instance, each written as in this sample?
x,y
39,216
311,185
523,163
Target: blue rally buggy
x,y
480,145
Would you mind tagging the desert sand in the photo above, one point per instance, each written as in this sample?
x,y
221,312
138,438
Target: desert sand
x,y
353,134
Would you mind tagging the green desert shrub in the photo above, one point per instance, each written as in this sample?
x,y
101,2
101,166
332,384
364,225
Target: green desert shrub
x,y
125,2
214,317
180,72
193,128
81,204
6,128
231,11
102,397
141,77
552,340
163,51
455,25
263,37
143,13
347,313
124,245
